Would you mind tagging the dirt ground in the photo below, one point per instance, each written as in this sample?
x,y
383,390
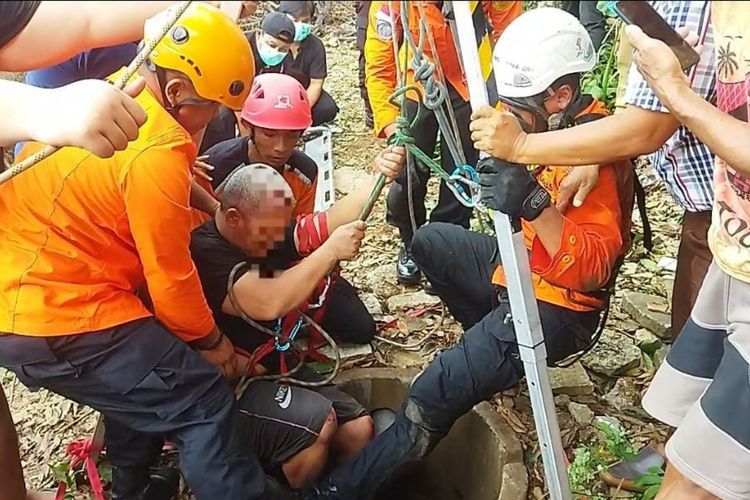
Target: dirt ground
x,y
46,423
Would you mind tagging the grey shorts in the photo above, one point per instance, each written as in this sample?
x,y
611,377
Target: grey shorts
x,y
703,389
282,420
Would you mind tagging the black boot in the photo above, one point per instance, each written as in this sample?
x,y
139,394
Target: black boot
x,y
407,271
135,483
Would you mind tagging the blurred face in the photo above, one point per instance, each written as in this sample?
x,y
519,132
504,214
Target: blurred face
x,y
557,102
191,111
270,49
259,232
273,147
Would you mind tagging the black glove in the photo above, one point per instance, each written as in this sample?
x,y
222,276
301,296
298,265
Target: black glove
x,y
510,188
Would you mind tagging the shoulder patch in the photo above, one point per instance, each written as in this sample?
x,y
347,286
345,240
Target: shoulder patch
x,y
384,23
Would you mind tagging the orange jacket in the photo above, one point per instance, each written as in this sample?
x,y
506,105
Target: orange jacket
x,y
81,234
594,237
380,60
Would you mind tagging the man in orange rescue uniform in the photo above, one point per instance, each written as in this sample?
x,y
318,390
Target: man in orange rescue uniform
x,y
538,62
490,19
82,234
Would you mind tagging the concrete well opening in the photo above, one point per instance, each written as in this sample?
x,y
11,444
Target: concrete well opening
x,y
480,459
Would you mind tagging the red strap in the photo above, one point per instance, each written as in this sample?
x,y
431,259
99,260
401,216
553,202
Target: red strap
x,y
311,231
80,451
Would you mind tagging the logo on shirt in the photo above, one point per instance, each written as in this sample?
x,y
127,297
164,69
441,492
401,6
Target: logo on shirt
x,y
283,102
384,24
284,396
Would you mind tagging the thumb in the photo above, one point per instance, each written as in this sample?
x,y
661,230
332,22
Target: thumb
x,y
135,87
359,225
636,36
582,194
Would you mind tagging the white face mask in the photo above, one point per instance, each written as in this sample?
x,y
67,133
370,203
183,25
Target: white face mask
x,y
270,55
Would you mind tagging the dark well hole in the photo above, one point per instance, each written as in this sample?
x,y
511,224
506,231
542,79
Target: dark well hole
x,y
480,459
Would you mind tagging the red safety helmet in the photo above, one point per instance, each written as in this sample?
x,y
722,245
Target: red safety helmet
x,y
277,102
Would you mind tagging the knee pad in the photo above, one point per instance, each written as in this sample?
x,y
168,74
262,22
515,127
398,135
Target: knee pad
x,y
425,435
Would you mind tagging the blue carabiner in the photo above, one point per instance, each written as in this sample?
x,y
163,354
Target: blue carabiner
x,y
461,174
286,345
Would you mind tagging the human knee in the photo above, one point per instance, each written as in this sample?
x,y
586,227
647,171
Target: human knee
x,y
424,245
359,431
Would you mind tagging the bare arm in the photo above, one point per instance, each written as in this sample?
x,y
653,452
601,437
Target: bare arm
x,y
266,299
94,24
314,90
389,162
724,135
633,132
202,200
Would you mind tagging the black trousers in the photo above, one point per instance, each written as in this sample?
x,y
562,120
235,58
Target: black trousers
x,y
591,19
347,319
325,110
459,264
363,20
425,134
147,384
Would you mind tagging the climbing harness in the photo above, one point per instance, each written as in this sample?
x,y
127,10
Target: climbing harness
x,y
282,342
524,310
132,68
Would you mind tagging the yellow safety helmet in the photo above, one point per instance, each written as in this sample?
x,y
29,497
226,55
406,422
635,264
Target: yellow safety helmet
x,y
209,48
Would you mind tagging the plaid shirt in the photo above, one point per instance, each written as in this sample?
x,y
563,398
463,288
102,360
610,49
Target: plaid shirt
x,y
684,163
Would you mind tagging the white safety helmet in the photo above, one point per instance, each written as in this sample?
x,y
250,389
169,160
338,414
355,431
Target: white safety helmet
x,y
539,47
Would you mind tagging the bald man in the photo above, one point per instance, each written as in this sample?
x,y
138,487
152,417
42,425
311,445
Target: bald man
x,y
290,427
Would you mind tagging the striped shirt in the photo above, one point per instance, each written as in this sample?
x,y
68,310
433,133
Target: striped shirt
x,y
684,163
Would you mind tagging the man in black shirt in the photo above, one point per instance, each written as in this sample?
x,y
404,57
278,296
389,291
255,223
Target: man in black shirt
x,y
252,231
307,60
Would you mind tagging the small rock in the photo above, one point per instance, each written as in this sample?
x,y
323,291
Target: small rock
x,y
562,400
373,305
406,359
412,300
414,325
615,353
381,280
667,264
348,351
660,355
581,413
647,341
572,380
623,395
650,311
346,179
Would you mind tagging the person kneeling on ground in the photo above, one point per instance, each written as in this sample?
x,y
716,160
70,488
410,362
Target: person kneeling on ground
x,y
292,428
307,60
274,134
573,256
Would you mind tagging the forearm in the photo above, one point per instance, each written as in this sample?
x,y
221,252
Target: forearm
x,y
549,229
725,136
95,24
17,109
314,91
625,135
348,208
270,298
202,199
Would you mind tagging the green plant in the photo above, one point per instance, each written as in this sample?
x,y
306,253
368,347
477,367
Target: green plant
x,y
601,82
62,472
651,481
583,470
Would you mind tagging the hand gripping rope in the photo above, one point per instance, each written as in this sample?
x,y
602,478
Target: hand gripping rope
x,y
140,58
